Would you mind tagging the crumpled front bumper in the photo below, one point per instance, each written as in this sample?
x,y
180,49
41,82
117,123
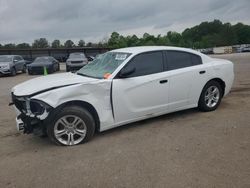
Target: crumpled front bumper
x,y
26,120
27,124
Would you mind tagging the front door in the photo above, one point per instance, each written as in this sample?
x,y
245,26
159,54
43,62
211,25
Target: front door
x,y
144,92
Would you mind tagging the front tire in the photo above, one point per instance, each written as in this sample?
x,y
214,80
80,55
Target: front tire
x,y
24,69
70,126
67,68
13,71
30,72
54,69
210,97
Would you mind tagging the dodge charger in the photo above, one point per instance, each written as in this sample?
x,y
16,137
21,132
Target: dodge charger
x,y
119,87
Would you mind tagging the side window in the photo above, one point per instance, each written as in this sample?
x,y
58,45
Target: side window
x,y
20,58
146,63
196,60
178,59
16,58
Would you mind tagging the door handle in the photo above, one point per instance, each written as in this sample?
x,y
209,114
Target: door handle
x,y
202,72
163,81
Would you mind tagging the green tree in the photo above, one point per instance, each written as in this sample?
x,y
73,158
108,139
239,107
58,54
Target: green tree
x,y
132,40
113,41
40,43
56,43
89,44
81,43
9,46
23,45
174,38
69,44
242,32
148,40
122,42
227,36
162,40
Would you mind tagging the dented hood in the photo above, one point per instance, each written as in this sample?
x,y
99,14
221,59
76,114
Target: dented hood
x,y
45,83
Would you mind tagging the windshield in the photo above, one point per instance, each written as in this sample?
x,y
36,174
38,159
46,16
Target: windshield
x,y
103,65
5,58
76,55
42,59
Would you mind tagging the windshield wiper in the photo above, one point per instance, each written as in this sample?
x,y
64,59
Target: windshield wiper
x,y
78,73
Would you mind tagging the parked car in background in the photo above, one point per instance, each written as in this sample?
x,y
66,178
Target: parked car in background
x,y
11,64
40,63
27,62
90,58
245,49
76,61
207,51
120,87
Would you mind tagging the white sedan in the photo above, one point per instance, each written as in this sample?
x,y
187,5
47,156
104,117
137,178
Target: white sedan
x,y
120,87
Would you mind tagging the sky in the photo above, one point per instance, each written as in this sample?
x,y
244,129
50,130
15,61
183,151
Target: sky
x,y
95,20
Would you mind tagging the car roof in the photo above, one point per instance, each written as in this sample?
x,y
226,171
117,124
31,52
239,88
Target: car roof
x,y
45,57
9,55
77,53
141,49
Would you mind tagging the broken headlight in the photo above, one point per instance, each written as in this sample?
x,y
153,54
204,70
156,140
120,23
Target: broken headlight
x,y
37,107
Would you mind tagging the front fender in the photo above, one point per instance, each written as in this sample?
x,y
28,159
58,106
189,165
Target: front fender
x,y
97,94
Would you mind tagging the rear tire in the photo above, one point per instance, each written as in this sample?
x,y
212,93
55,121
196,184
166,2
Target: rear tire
x,y
210,96
71,125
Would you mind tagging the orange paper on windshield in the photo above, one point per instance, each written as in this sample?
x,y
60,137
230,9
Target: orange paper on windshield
x,y
106,75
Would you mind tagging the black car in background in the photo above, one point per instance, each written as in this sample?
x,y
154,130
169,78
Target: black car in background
x,y
41,63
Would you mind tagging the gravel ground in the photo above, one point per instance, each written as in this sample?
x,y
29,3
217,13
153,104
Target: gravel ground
x,y
183,149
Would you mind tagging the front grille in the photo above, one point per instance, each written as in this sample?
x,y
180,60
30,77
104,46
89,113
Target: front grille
x,y
37,69
75,68
76,62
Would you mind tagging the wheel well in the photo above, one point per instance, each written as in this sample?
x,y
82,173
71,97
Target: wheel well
x,y
86,106
221,82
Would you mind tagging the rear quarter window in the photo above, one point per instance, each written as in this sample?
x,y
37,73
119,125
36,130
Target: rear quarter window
x,y
180,59
196,59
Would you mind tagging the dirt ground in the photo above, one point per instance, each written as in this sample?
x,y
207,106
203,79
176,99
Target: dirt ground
x,y
183,149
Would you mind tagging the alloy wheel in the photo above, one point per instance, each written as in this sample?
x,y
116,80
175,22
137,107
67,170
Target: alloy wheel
x,y
212,96
70,130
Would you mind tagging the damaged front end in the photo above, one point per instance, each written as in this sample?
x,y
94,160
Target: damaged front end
x,y
31,114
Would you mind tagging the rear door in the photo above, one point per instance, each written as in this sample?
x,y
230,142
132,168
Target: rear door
x,y
144,92
188,76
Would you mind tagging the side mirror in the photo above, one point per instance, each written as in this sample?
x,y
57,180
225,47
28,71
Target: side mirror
x,y
124,73
15,60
